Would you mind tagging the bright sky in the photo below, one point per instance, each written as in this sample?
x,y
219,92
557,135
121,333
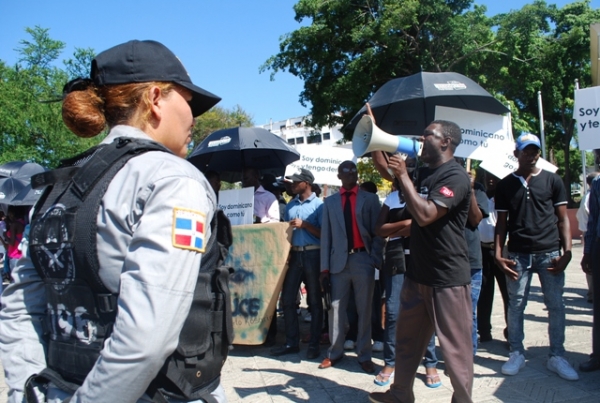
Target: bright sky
x,y
222,43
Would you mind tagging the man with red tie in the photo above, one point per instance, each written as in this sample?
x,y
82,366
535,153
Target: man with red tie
x,y
350,253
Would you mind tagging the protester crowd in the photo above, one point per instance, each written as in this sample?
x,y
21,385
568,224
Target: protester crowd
x,y
437,246
392,277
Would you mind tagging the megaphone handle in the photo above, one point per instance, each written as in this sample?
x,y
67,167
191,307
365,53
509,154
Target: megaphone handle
x,y
403,156
370,112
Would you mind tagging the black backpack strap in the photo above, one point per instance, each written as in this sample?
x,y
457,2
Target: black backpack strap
x,y
42,380
89,184
108,160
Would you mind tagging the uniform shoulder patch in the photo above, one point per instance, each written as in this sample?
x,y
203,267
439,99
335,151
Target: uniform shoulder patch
x,y
189,229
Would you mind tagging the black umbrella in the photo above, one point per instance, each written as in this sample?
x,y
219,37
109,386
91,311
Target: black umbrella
x,y
26,197
20,170
228,151
407,105
9,188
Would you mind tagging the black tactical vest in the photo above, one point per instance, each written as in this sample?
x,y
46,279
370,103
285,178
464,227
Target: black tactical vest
x,y
81,310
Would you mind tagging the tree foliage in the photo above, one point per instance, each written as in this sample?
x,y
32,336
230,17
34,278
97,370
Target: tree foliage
x,y
544,48
219,118
31,129
31,126
352,47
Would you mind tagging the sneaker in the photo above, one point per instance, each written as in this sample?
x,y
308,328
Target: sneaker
x,y
378,346
349,345
516,361
307,318
562,368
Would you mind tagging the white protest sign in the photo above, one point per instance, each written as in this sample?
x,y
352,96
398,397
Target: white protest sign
x,y
587,115
482,133
238,205
322,161
503,162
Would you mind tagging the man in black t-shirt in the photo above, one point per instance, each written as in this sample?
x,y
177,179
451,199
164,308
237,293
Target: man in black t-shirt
x,y
532,209
436,294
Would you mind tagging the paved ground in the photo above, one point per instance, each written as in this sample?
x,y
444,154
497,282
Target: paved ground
x,y
251,375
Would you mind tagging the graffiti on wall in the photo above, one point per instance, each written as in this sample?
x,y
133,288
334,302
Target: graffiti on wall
x,y
258,255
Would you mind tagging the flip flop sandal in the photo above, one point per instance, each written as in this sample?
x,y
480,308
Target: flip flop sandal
x,y
433,385
386,379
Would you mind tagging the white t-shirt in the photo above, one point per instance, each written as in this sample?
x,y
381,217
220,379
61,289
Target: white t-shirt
x,y
583,212
487,225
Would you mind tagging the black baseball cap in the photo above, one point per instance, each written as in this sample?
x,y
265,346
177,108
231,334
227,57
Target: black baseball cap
x,y
304,175
145,61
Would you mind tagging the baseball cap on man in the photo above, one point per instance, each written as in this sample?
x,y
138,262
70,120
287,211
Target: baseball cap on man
x,y
527,139
145,61
304,175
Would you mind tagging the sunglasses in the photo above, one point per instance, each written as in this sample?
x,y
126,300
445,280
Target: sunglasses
x,y
347,170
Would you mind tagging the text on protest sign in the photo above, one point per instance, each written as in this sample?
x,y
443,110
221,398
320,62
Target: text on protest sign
x,y
503,163
587,115
321,161
482,133
238,205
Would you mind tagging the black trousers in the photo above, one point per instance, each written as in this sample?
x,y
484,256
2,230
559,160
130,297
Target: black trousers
x,y
486,298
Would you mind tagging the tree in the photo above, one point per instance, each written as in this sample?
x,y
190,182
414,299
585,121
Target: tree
x,y
30,128
543,48
41,51
352,47
368,173
219,118
79,65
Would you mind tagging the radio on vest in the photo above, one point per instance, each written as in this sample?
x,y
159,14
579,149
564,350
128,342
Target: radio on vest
x,y
368,137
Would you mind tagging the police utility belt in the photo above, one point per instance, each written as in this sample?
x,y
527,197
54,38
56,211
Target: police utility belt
x,y
63,251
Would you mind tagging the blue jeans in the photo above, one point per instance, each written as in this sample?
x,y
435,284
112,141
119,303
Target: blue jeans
x,y
303,266
430,359
393,286
476,278
518,293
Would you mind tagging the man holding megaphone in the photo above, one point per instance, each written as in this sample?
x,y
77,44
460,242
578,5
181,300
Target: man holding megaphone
x,y
436,294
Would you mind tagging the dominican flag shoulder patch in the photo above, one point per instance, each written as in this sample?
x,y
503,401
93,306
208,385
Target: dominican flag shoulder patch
x,y
188,229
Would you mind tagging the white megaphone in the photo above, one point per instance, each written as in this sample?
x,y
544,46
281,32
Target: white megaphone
x,y
368,137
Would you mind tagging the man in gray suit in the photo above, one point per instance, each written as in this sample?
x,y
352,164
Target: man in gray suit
x,y
350,253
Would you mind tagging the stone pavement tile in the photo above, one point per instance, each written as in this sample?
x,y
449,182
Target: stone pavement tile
x,y
288,393
510,396
249,396
591,399
251,375
590,382
547,392
348,394
305,381
441,394
487,383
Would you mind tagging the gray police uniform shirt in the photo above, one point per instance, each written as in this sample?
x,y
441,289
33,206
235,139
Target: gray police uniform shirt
x,y
139,256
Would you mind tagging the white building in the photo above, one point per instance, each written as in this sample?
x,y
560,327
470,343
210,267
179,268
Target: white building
x,y
296,132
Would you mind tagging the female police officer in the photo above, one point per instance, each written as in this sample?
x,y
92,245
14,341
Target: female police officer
x,y
139,90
